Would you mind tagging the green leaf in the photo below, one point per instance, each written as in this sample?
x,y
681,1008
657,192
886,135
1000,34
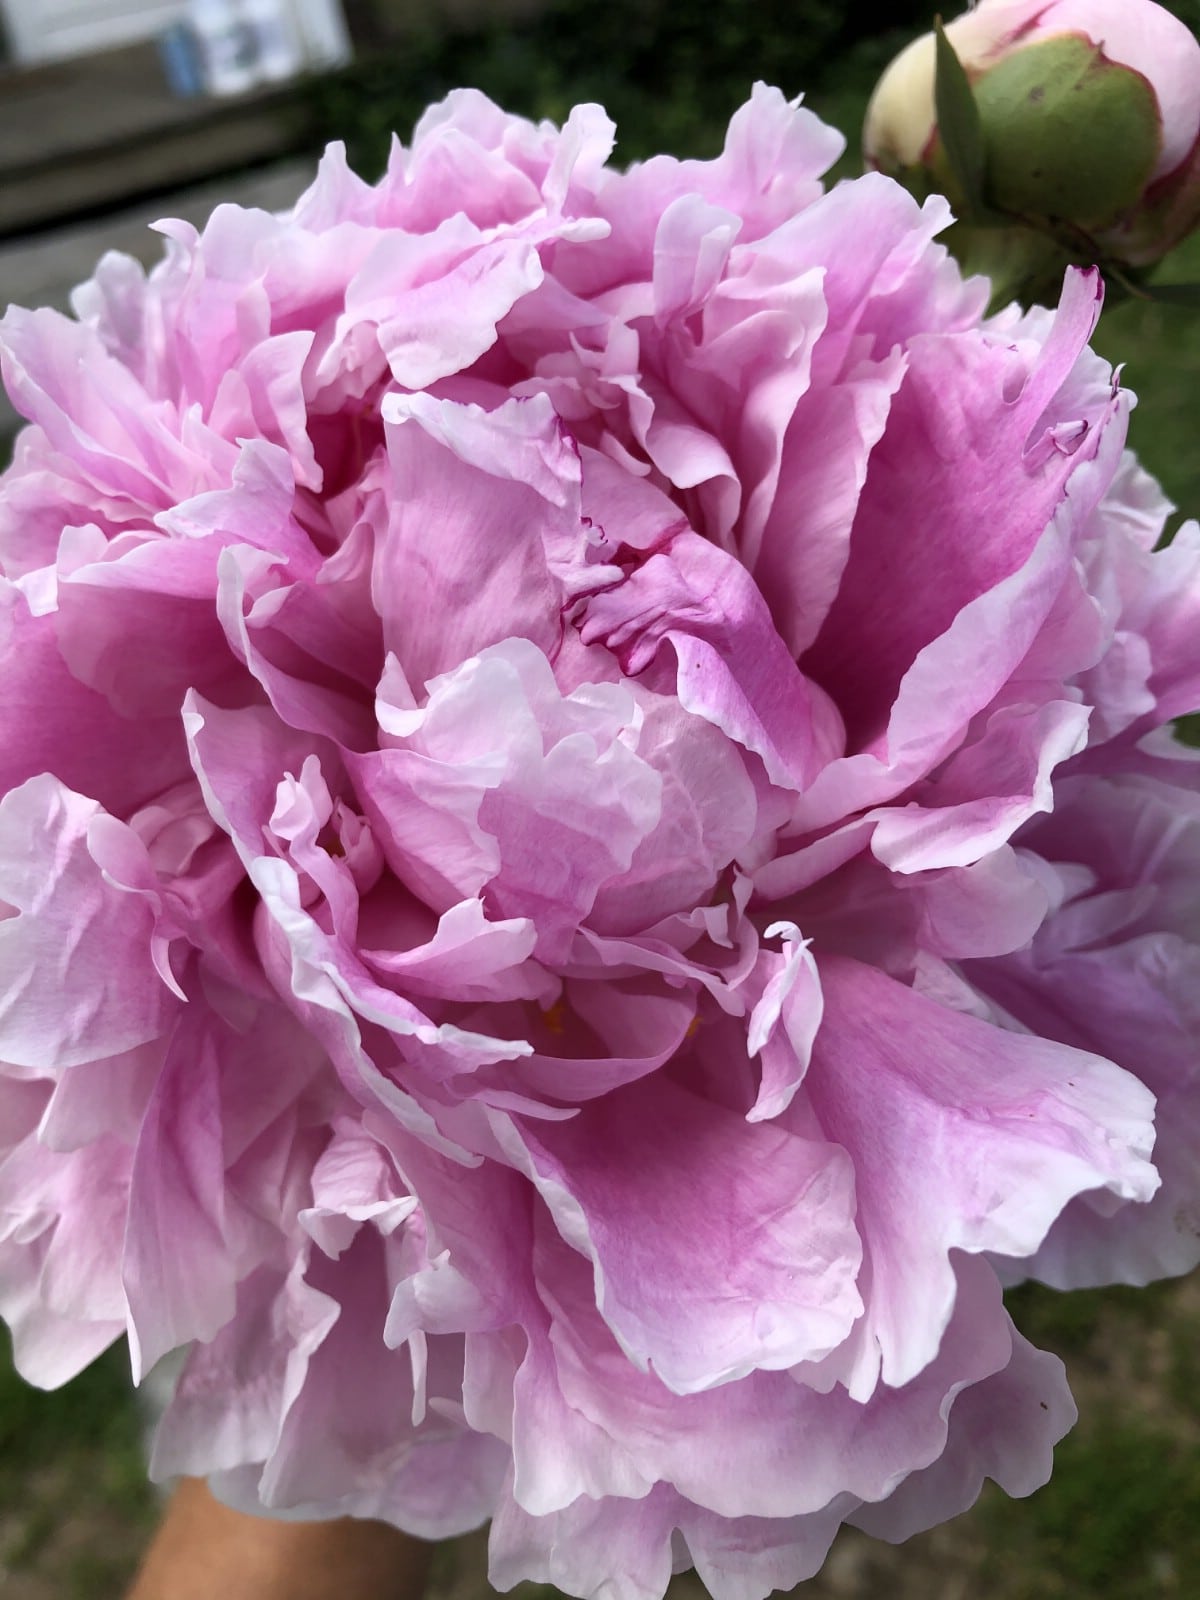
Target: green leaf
x,y
958,122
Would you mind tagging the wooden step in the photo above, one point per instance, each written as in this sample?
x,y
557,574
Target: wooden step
x,y
80,137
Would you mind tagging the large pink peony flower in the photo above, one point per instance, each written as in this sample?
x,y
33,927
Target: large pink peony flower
x,y
591,852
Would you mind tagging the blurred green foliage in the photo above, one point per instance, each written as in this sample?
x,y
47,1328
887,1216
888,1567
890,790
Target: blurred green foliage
x,y
669,75
1159,349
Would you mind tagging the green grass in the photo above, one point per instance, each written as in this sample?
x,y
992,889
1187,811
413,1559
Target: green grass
x,y
1122,1517
1119,1520
72,1457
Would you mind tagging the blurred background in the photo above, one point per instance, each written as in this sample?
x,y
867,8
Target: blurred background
x,y
114,113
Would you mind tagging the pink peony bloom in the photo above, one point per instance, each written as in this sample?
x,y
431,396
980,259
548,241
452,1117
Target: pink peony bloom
x,y
592,851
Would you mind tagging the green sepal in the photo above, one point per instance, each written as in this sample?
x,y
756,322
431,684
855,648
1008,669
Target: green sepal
x,y
959,124
1071,137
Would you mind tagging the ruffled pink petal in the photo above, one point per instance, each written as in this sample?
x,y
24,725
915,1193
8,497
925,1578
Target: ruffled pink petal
x,y
1015,1127
657,1142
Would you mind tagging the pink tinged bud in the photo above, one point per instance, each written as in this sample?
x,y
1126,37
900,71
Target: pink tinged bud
x,y
1150,40
1167,213
1090,112
900,128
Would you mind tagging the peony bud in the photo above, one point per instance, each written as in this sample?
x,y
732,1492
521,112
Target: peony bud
x,y
1089,112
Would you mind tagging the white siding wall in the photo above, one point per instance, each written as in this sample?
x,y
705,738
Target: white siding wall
x,y
48,30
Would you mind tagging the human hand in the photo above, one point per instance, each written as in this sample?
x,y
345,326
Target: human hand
x,y
205,1551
